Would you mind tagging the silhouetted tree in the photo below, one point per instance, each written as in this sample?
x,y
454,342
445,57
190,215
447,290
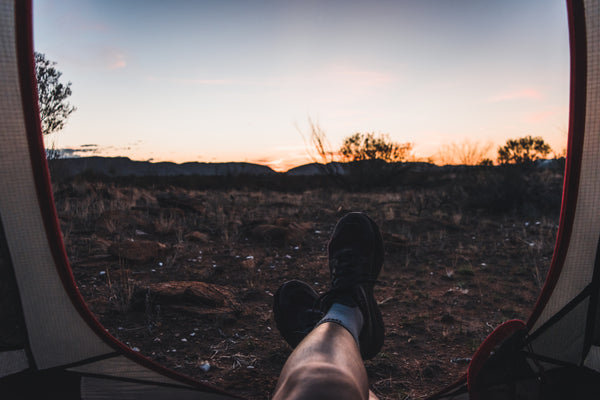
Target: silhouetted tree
x,y
52,95
362,147
523,150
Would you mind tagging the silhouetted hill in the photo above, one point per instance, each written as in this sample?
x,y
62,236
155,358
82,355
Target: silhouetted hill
x,y
123,166
318,169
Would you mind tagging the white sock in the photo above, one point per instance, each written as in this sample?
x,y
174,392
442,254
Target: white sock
x,y
349,317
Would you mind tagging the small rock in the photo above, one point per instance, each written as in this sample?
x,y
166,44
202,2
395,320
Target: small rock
x,y
459,360
205,366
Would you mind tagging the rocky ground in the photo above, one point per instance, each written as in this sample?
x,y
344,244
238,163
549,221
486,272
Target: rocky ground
x,y
186,277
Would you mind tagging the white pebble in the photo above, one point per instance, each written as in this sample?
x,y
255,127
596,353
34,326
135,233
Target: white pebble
x,y
205,366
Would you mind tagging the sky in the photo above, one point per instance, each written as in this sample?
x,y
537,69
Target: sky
x,y
216,81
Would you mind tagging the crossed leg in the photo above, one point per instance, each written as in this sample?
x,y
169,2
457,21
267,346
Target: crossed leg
x,y
326,365
334,332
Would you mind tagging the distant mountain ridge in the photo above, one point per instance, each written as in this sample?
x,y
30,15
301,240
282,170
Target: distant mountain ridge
x,y
123,166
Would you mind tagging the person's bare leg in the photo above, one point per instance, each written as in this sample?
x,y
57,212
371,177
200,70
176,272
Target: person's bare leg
x,y
327,362
326,365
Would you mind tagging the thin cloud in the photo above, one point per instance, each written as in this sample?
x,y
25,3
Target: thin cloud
x,y
113,58
264,160
541,116
86,149
526,94
117,62
216,82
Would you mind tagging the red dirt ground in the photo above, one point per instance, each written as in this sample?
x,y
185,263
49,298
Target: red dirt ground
x,y
450,276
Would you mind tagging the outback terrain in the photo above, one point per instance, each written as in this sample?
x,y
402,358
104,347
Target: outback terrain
x,y
184,271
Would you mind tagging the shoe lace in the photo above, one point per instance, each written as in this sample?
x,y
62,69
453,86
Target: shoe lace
x,y
349,269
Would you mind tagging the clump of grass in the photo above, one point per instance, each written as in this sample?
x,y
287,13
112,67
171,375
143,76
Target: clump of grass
x,y
465,270
120,288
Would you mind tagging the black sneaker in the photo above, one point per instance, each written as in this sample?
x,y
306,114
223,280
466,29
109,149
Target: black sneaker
x,y
355,260
294,311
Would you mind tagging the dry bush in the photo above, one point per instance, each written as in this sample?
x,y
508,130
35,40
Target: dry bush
x,y
466,152
317,144
120,288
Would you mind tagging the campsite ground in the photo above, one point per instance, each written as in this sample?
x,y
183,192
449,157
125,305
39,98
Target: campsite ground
x,y
186,275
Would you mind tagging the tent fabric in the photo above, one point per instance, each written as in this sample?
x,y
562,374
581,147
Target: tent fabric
x,y
12,361
49,341
43,299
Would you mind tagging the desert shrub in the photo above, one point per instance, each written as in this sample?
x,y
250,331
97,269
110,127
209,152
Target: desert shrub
x,y
368,146
466,152
516,190
524,150
372,161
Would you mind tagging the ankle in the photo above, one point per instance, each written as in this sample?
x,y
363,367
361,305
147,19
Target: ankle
x,y
349,317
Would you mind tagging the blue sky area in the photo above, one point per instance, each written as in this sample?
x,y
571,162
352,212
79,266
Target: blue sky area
x,y
237,80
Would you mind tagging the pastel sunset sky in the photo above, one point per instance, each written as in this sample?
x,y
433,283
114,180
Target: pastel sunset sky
x,y
186,80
